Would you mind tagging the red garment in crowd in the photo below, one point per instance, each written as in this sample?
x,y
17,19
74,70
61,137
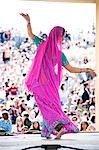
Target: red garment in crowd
x,y
13,90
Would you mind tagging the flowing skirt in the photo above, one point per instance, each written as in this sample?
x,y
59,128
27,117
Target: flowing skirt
x,y
49,104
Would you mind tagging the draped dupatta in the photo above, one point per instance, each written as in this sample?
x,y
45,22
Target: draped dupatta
x,y
47,63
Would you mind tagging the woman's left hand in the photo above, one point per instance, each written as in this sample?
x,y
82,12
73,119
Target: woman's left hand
x,y
91,71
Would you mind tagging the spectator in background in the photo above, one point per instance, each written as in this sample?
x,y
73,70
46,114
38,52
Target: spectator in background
x,y
13,114
23,106
62,93
91,110
5,36
84,125
91,101
85,116
13,90
27,122
35,125
92,119
91,128
86,93
6,55
19,124
75,119
5,122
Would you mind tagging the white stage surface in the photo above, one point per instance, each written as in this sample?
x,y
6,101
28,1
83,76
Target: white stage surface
x,y
79,141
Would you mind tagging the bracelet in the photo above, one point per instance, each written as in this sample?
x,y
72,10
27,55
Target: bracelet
x,y
28,23
80,70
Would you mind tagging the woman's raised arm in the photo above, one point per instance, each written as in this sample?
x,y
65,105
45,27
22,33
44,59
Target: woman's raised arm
x,y
29,28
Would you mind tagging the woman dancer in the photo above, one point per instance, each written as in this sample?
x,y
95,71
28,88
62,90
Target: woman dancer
x,y
44,77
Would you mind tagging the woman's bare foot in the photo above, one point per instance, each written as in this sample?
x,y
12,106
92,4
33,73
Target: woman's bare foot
x,y
60,133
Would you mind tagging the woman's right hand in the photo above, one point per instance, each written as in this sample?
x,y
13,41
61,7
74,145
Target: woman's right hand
x,y
26,17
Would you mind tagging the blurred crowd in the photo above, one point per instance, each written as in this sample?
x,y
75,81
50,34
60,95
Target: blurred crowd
x,y
18,111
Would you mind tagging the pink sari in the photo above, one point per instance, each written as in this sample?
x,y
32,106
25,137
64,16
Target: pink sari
x,y
43,82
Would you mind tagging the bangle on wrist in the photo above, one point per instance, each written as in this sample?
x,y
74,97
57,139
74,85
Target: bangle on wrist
x,y
80,70
28,23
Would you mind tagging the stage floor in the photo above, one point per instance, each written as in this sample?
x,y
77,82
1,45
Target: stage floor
x,y
79,141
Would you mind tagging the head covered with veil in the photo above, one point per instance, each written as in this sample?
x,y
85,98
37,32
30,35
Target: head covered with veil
x,y
47,63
